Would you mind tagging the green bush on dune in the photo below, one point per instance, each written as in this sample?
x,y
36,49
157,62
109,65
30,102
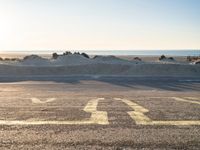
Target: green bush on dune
x,y
85,55
55,55
162,57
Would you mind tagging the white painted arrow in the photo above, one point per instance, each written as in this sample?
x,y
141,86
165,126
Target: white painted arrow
x,y
97,117
38,101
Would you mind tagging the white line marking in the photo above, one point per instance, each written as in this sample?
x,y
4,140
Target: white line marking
x,y
38,101
140,118
193,98
97,117
58,106
138,113
184,100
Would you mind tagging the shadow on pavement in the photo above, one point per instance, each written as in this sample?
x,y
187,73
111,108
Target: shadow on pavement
x,y
163,83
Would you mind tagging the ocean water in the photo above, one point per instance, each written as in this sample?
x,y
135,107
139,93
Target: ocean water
x,y
115,52
148,52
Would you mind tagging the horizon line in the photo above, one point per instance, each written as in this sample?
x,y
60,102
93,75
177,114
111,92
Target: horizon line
x,y
46,50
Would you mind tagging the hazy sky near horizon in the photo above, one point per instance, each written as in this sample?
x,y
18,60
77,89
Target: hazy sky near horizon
x,y
99,24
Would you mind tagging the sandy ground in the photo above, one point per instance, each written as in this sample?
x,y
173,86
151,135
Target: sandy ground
x,y
59,99
102,65
182,59
128,57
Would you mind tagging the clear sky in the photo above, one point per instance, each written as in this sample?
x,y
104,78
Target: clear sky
x,y
99,24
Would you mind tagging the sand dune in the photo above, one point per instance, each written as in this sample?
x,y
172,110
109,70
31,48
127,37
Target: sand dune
x,y
102,65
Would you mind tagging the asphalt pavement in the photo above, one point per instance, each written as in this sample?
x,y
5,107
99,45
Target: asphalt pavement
x,y
83,112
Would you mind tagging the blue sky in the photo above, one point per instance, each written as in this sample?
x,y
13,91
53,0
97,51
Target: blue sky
x,y
99,24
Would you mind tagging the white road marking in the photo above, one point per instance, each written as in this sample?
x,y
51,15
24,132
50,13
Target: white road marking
x,y
38,101
138,113
188,99
97,117
184,100
140,118
193,98
101,117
